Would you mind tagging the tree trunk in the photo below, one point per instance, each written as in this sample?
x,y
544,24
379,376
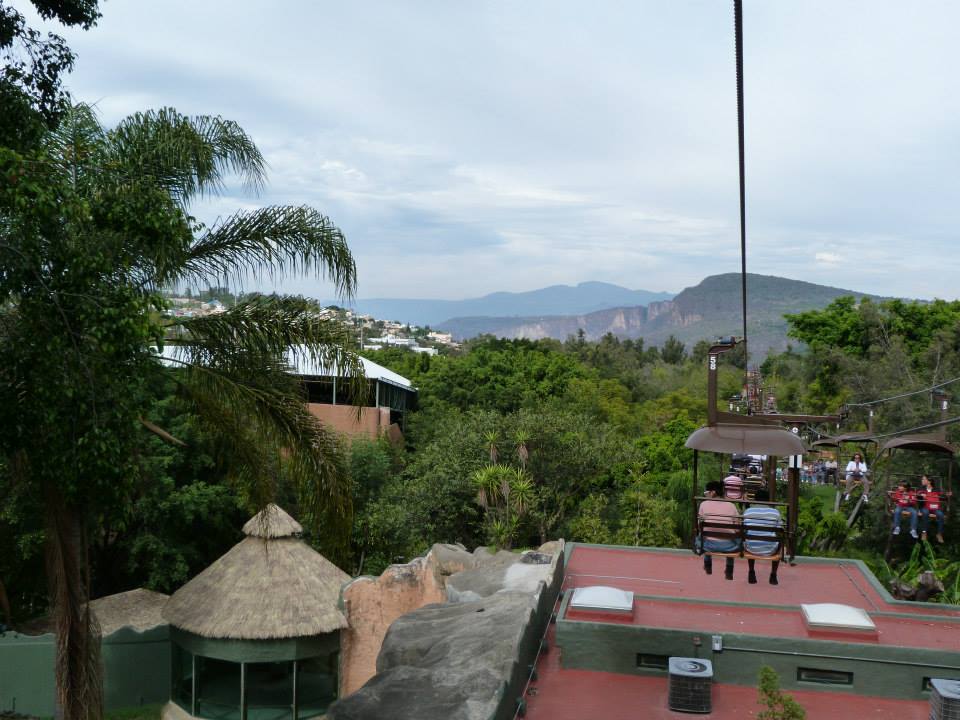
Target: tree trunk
x,y
77,667
5,606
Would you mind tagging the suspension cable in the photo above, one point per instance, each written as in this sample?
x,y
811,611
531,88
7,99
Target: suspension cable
x,y
906,394
738,34
928,426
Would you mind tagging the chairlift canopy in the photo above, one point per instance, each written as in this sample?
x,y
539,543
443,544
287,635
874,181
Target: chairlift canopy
x,y
921,443
752,439
839,440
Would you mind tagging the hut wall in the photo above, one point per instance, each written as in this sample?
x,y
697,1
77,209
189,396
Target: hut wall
x,y
372,604
27,679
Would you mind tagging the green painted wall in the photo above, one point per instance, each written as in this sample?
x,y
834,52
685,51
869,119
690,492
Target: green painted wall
x,y
26,674
257,650
136,670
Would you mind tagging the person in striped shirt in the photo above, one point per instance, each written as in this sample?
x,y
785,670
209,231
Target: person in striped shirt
x,y
762,516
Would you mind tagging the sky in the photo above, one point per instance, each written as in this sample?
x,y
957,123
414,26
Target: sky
x,y
472,147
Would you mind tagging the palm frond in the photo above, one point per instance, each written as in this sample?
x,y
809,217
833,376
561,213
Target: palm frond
x,y
265,333
269,242
187,156
268,435
76,143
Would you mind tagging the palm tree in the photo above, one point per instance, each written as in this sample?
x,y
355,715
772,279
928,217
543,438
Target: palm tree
x,y
91,228
491,438
521,439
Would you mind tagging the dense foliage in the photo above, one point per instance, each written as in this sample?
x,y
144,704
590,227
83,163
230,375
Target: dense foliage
x,y
94,222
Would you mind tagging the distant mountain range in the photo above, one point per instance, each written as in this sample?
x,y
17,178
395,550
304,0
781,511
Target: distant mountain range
x,y
705,311
587,297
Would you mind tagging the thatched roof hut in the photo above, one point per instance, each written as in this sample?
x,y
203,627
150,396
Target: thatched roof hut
x,y
139,609
270,585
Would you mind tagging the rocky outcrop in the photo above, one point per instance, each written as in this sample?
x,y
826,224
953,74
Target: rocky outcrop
x,y
461,659
372,604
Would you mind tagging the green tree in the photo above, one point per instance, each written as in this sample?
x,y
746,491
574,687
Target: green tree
x,y
33,65
673,351
92,223
777,704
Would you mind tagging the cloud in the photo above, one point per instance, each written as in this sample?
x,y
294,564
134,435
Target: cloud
x,y
463,149
828,258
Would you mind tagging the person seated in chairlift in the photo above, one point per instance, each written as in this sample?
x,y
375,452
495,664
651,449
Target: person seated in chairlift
x,y
903,502
733,487
721,510
762,516
930,504
857,471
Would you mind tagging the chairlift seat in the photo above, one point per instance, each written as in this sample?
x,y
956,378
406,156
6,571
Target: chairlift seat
x,y
726,528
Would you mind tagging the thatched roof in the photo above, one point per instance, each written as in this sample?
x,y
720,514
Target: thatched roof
x,y
139,609
272,522
270,585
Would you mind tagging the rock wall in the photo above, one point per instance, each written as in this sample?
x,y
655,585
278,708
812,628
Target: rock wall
x,y
372,604
465,659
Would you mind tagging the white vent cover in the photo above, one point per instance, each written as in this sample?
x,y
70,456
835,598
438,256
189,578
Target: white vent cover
x,y
833,616
600,598
691,685
944,699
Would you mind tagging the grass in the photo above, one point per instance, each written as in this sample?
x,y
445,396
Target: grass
x,y
144,712
826,494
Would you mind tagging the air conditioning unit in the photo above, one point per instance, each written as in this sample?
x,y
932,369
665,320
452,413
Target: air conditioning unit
x,y
691,685
944,699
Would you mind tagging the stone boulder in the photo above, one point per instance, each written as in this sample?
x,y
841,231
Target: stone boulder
x,y
452,661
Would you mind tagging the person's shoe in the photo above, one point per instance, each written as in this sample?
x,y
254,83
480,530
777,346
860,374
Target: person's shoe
x,y
773,580
923,535
866,498
728,574
752,578
708,568
896,530
846,497
940,538
913,534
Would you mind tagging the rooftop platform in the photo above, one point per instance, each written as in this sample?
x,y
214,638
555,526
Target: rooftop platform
x,y
561,694
679,575
605,663
712,604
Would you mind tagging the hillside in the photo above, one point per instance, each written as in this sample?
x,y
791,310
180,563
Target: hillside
x,y
707,310
586,297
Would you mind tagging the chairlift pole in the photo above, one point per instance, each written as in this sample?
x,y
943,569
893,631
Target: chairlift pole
x,y
738,32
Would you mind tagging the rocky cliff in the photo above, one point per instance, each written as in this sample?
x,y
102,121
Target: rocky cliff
x,y
705,311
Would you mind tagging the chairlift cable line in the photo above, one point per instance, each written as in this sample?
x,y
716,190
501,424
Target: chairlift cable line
x,y
928,426
738,34
903,395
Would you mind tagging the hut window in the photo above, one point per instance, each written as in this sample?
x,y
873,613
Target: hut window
x,y
269,687
317,683
181,677
218,688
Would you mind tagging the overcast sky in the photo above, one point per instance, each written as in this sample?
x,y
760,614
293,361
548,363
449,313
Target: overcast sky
x,y
469,147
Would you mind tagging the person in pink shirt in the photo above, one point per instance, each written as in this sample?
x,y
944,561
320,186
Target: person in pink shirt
x,y
721,510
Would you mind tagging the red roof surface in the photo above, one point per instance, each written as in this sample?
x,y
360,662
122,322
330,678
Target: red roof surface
x,y
676,575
